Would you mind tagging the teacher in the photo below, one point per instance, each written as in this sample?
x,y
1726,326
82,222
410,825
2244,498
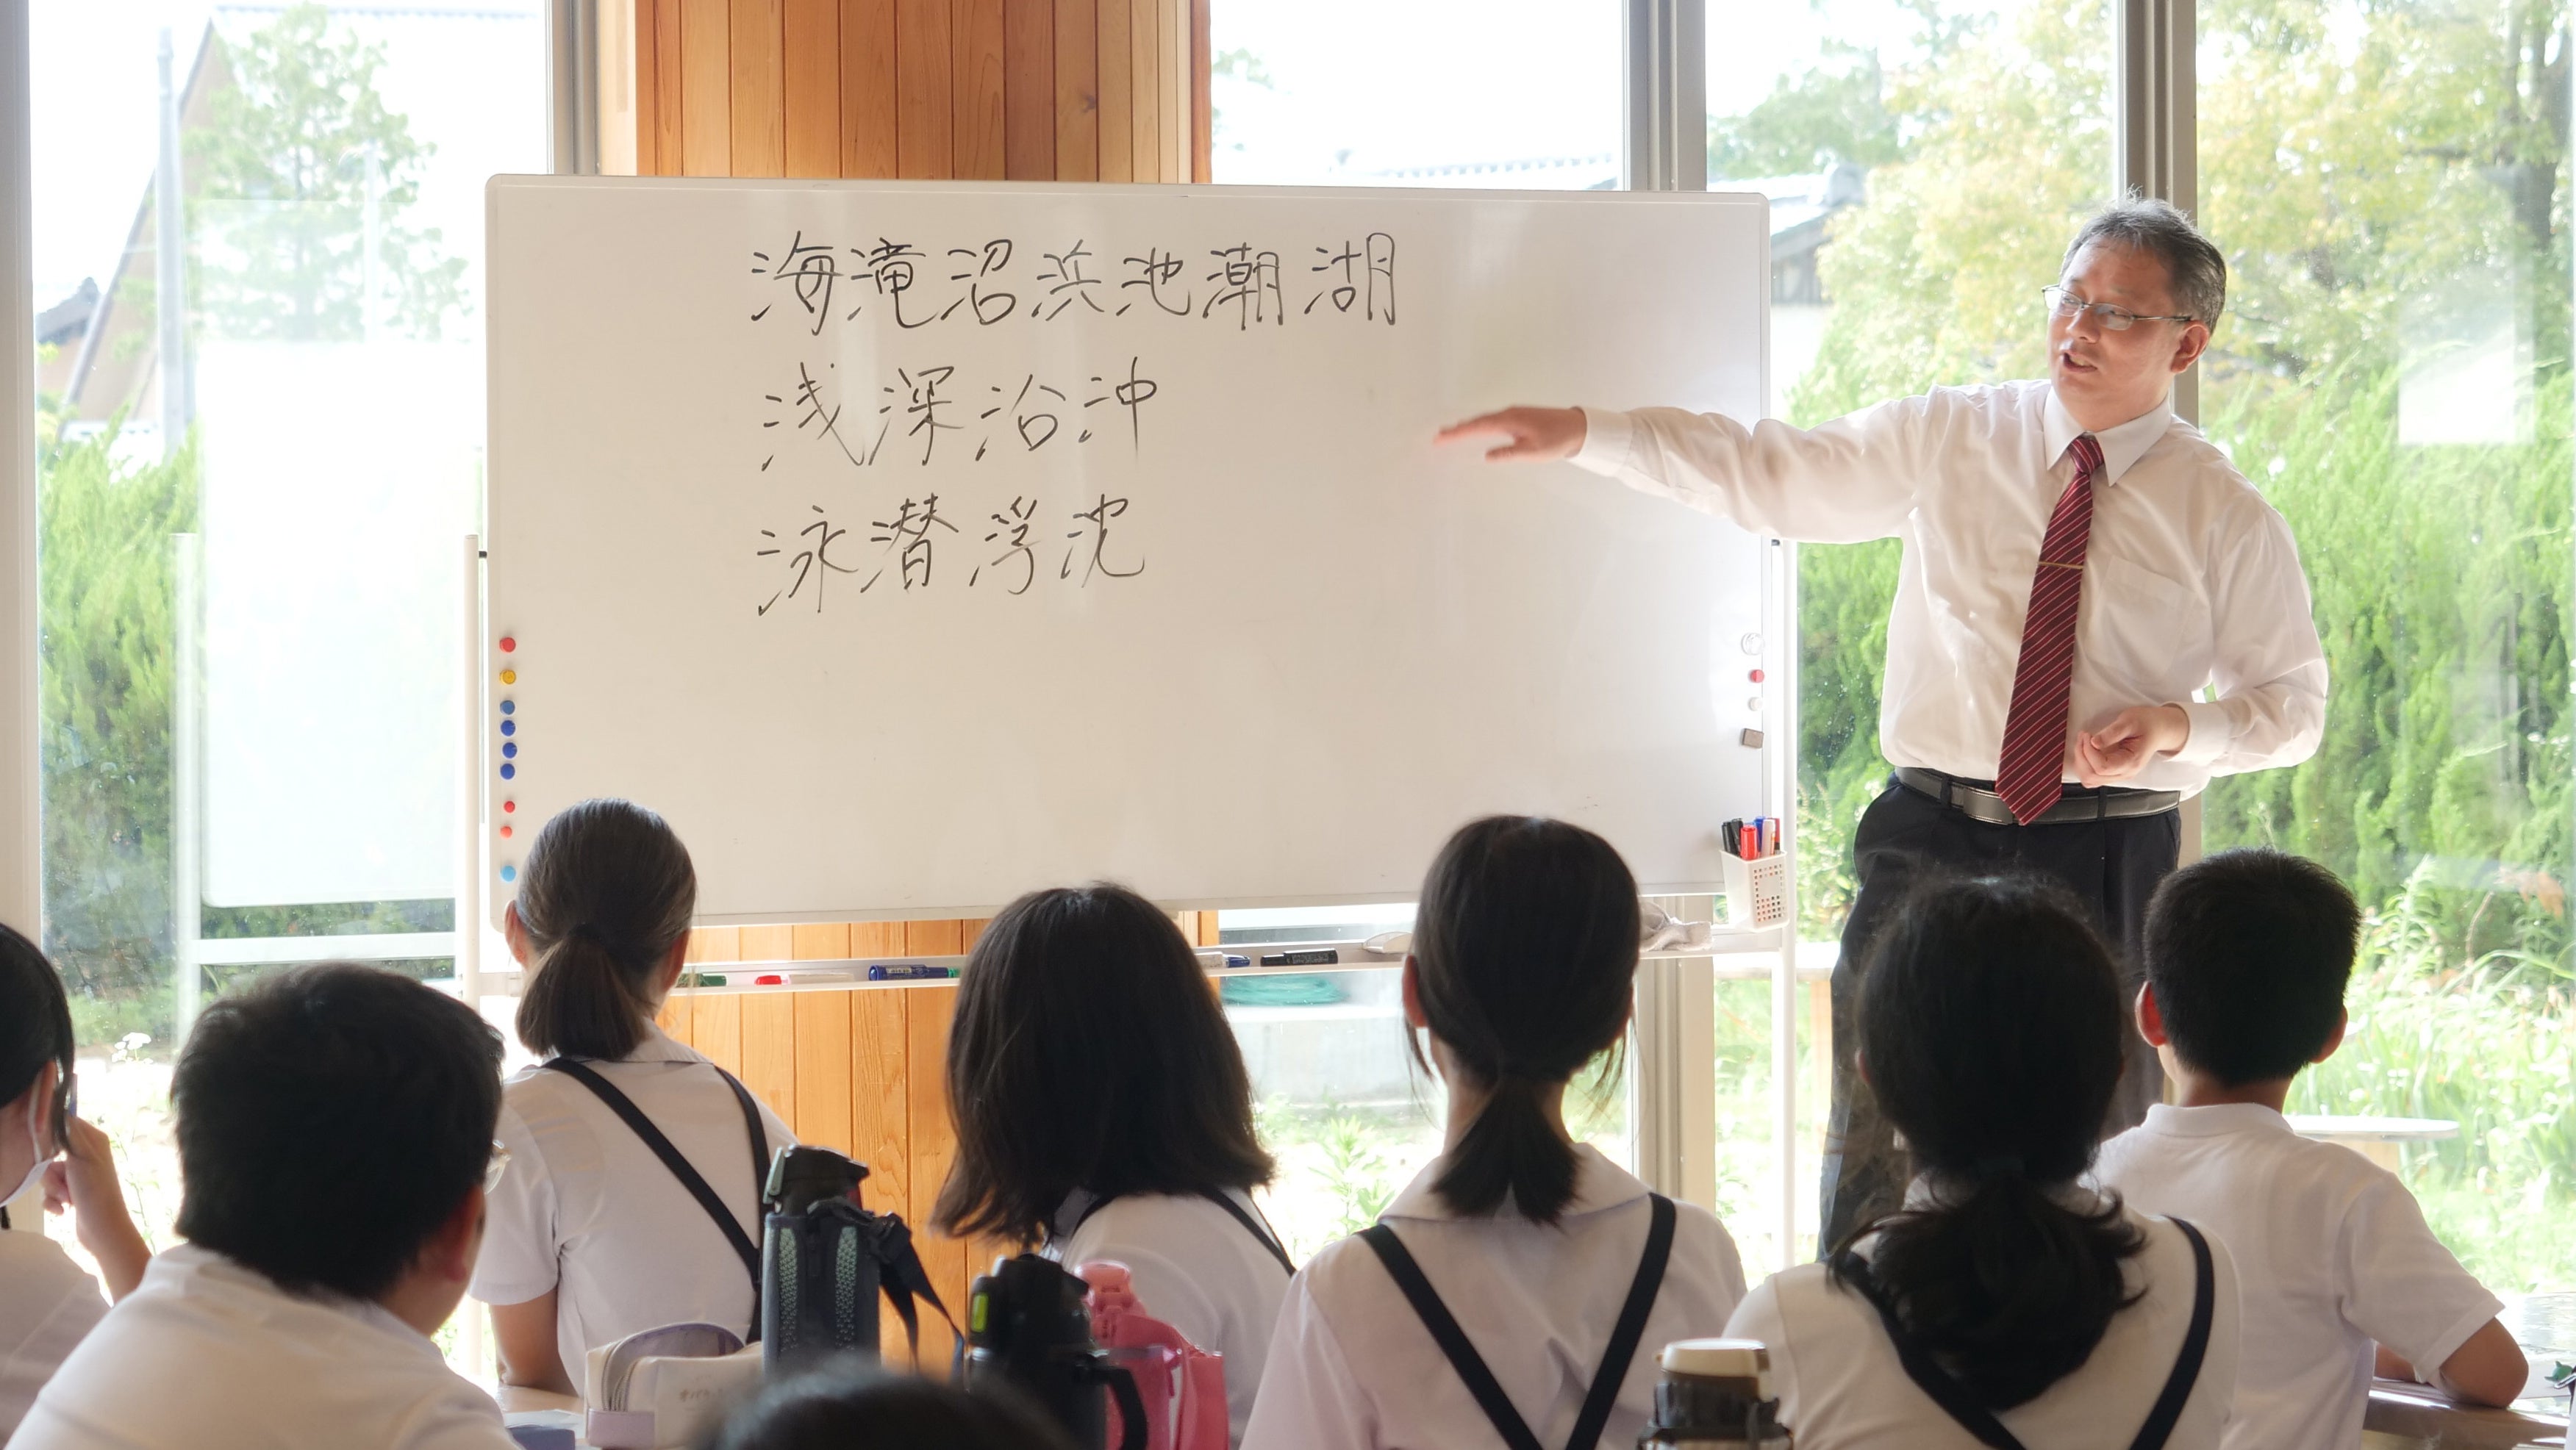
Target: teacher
x,y
2078,565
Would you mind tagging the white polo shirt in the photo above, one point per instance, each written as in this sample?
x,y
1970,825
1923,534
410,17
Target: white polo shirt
x,y
209,1355
585,1209
1196,1268
2333,1253
46,1305
1841,1384
1352,1367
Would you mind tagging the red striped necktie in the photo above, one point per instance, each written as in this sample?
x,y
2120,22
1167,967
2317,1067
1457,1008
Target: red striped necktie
x,y
2034,755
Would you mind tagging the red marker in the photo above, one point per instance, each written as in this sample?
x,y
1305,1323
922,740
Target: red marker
x,y
769,979
508,644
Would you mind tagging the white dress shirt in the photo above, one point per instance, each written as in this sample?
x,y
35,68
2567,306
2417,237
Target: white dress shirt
x,y
2333,1253
46,1305
1352,1367
2190,579
1194,1267
209,1355
585,1209
1842,1387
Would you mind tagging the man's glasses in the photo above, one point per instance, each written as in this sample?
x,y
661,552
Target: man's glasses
x,y
2062,303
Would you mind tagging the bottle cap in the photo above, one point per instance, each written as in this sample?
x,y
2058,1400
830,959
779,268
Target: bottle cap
x,y
1744,1359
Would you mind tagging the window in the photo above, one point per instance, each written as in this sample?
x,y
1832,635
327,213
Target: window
x,y
2390,185
1502,93
1925,166
252,502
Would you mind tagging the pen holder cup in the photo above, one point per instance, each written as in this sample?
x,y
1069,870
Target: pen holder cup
x,y
1757,891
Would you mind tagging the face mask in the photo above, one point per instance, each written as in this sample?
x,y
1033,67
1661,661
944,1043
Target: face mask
x,y
37,1139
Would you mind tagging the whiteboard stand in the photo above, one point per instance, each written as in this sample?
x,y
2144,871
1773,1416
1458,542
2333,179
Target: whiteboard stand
x,y
187,708
469,776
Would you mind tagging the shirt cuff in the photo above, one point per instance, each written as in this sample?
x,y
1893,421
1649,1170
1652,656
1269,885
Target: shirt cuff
x,y
2211,733
1608,441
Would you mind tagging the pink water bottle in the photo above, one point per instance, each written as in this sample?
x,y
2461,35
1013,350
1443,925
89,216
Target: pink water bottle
x,y
1182,1385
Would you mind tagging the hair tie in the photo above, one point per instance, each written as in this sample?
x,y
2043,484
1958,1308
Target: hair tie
x,y
597,938
2002,1165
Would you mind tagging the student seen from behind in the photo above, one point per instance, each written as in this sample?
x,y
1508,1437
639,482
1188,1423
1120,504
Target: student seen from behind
x,y
2247,956
335,1140
599,1227
1553,1274
860,1408
1103,1112
2005,1303
46,1302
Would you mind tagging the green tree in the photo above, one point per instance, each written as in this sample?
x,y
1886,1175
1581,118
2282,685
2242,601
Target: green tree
x,y
1835,112
300,167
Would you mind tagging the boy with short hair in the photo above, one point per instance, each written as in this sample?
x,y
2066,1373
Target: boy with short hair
x,y
2248,953
335,1132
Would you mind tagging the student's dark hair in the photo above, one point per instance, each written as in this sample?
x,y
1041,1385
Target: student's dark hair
x,y
330,1119
857,1407
607,892
1088,1052
35,1024
1991,1027
1524,951
2249,952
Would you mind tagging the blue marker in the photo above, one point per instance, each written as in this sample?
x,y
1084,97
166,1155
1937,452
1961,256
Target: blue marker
x,y
908,972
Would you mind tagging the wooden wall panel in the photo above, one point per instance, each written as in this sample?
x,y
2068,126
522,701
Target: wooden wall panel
x,y
811,77
1077,90
1028,90
927,1012
823,1068
923,83
1116,59
1202,95
717,1030
868,111
769,1053
980,143
706,87
757,75
1145,78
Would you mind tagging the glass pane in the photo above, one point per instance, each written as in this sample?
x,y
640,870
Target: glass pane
x,y
1926,164
253,498
1467,93
2390,185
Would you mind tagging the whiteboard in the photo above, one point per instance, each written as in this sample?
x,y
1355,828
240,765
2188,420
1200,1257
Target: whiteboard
x,y
1198,606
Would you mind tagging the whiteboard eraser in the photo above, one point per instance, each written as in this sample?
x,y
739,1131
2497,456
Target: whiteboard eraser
x,y
1752,739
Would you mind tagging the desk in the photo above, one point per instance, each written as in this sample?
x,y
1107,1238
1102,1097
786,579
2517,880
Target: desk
x,y
2408,1416
2377,1139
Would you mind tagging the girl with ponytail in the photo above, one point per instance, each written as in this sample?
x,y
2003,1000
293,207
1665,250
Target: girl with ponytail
x,y
2008,1302
601,1224
1523,1283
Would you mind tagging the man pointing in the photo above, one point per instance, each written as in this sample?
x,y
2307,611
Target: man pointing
x,y
2080,566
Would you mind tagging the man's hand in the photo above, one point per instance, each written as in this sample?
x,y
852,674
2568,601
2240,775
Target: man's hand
x,y
2135,737
1540,435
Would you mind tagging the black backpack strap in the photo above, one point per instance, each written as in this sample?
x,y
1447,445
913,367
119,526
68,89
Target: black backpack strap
x,y
1452,1340
1613,1374
2195,1347
1944,1388
681,1169
1258,1228
1615,1359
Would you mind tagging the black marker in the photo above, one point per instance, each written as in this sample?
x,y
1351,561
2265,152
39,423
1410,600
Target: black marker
x,y
1316,957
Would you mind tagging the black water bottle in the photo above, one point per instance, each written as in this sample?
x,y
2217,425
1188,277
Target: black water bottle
x,y
1715,1395
1026,1328
818,1262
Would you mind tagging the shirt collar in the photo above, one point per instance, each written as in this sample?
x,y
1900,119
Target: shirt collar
x,y
1932,1190
1598,1184
2215,1120
2121,446
186,1266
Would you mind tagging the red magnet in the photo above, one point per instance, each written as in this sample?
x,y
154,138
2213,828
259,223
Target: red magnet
x,y
509,806
508,644
1755,677
505,833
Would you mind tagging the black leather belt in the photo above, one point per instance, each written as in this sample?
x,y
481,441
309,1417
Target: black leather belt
x,y
1978,801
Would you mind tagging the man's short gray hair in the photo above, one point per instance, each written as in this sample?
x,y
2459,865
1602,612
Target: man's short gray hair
x,y
2152,225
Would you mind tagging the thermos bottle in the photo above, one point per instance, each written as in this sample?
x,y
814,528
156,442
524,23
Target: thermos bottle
x,y
1715,1395
1027,1327
821,1257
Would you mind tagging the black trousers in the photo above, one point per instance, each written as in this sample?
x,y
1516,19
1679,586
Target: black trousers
x,y
2112,866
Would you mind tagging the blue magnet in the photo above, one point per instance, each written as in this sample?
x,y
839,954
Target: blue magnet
x,y
509,707
509,748
509,771
509,727
509,873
